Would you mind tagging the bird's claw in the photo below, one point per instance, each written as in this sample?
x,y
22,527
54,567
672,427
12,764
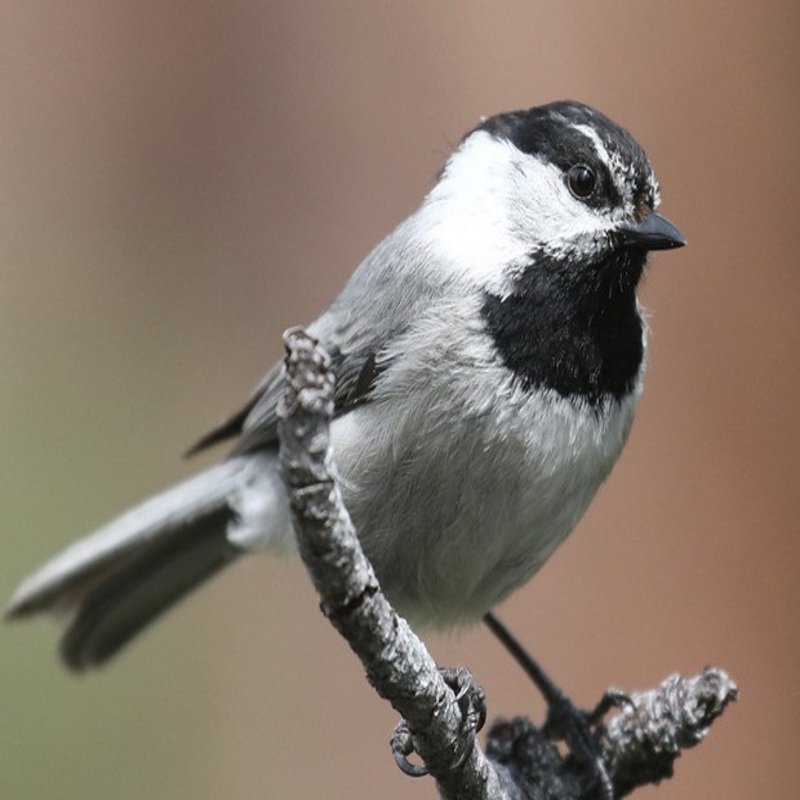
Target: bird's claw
x,y
470,697
402,744
471,700
612,698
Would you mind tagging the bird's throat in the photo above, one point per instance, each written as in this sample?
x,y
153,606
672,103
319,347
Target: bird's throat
x,y
572,328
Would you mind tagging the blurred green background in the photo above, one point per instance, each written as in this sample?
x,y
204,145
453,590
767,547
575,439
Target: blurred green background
x,y
179,182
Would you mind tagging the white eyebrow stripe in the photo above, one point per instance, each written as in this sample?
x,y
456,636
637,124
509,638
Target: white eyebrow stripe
x,y
616,168
592,135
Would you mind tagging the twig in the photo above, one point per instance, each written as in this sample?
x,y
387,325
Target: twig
x,y
646,737
641,741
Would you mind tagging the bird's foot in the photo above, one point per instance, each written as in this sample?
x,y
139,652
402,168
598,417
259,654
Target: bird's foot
x,y
581,730
471,701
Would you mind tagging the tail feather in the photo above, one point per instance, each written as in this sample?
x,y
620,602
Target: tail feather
x,y
116,581
119,607
60,583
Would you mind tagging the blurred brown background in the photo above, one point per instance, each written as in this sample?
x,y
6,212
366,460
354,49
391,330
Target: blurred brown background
x,y
180,182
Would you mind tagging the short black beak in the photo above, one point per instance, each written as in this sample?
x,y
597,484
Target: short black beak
x,y
652,233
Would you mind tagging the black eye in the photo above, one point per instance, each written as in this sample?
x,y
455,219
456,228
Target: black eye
x,y
581,181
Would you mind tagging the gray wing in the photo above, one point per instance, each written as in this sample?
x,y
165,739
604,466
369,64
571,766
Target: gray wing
x,y
256,424
391,289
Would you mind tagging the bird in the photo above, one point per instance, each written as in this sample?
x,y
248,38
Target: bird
x,y
489,355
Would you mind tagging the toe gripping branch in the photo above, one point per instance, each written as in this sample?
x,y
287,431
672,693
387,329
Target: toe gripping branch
x,y
636,747
581,730
471,700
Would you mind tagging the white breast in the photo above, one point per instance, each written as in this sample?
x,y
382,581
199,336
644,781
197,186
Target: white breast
x,y
462,487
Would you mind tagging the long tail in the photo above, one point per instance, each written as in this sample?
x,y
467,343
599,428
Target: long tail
x,y
117,580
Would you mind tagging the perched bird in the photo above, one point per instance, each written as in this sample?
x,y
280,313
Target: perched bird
x,y
489,356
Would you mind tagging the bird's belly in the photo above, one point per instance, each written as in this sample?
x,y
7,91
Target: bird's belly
x,y
453,519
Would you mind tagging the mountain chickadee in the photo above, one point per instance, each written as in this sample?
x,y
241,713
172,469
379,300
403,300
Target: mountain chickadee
x,y
489,356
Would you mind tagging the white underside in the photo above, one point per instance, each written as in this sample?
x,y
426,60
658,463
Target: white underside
x,y
461,491
262,519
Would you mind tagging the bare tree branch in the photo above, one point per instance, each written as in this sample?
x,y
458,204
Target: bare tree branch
x,y
640,743
646,737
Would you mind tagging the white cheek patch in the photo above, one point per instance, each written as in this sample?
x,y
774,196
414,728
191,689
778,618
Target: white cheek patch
x,y
465,219
494,205
547,210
